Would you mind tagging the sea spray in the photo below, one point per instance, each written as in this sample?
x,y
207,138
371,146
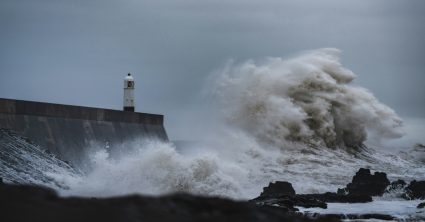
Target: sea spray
x,y
306,99
24,162
240,171
281,120
154,167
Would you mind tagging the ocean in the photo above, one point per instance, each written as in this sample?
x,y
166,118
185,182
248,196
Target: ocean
x,y
299,120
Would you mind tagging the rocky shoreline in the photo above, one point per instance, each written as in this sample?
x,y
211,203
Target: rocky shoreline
x,y
362,188
37,204
277,202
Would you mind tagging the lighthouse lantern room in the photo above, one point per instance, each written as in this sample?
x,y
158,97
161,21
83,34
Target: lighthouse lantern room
x,y
129,93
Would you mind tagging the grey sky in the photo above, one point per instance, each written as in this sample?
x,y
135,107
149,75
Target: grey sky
x,y
77,52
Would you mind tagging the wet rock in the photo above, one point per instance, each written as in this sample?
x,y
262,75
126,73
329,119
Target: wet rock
x,y
342,191
370,216
289,202
278,188
356,216
339,198
397,185
308,202
26,203
284,202
365,183
421,205
416,190
282,194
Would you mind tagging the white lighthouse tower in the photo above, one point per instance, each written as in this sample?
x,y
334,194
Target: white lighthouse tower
x,y
129,93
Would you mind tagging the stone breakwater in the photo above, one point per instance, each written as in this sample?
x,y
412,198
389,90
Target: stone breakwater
x,y
68,131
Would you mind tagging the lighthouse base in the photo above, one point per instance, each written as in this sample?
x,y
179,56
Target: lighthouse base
x,y
129,108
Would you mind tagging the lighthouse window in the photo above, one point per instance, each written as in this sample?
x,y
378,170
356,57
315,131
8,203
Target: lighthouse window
x,y
130,84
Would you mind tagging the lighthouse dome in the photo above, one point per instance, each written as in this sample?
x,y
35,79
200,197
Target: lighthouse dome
x,y
129,77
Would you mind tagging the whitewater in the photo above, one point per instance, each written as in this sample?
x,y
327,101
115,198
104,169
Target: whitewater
x,y
300,120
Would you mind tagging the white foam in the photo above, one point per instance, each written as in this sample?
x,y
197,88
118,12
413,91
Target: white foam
x,y
305,99
282,120
401,209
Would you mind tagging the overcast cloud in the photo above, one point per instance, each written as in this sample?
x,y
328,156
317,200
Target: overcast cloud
x,y
78,51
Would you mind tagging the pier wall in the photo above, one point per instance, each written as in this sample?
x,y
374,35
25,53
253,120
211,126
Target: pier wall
x,y
69,131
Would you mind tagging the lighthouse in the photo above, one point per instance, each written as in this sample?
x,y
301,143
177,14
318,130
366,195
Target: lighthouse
x,y
129,93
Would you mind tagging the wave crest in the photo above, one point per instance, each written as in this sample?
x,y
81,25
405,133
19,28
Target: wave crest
x,y
307,99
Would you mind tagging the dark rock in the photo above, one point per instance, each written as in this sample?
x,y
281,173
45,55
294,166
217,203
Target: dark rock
x,y
397,185
355,216
278,188
421,205
282,194
288,202
283,202
364,183
339,198
416,190
308,202
342,191
370,216
26,203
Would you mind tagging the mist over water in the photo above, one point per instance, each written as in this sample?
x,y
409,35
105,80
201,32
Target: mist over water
x,y
298,120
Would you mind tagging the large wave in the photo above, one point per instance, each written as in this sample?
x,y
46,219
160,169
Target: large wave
x,y
306,99
282,119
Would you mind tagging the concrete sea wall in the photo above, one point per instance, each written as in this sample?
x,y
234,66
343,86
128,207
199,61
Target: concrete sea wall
x,y
69,131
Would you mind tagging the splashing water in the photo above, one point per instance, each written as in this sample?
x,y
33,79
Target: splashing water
x,y
283,117
283,120
306,99
240,172
154,168
23,162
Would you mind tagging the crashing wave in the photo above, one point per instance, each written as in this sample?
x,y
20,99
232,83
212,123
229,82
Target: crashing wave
x,y
281,116
306,99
